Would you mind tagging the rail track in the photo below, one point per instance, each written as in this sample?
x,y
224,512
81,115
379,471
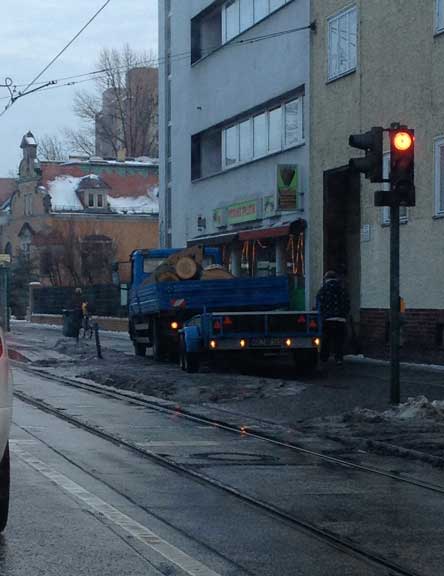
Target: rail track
x,y
346,546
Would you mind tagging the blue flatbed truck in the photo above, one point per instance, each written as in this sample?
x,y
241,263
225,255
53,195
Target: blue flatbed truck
x,y
198,318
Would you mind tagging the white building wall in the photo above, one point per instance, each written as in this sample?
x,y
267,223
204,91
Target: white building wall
x,y
227,83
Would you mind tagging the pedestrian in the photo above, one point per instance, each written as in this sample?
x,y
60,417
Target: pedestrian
x,y
334,306
85,320
77,310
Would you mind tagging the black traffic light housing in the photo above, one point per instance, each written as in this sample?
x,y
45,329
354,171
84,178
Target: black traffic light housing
x,y
402,165
371,163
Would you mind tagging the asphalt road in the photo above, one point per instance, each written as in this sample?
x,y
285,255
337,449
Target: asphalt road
x,y
81,505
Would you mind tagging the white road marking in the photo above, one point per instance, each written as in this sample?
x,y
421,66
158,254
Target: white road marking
x,y
168,551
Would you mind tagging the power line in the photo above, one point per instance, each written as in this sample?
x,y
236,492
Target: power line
x,y
95,74
185,54
68,45
28,87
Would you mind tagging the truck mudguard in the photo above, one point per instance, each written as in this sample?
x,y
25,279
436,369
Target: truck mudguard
x,y
193,338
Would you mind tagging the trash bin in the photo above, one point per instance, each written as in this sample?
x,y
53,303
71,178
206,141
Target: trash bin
x,y
71,323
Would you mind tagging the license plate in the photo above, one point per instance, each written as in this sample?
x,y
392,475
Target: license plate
x,y
266,342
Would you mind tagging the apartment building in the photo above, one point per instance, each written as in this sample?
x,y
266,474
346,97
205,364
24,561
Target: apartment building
x,y
374,63
234,98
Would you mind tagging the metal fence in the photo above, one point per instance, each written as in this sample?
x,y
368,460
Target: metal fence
x,y
103,300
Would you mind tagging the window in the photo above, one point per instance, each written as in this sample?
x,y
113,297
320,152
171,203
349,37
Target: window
x,y
260,9
439,22
260,140
231,146
100,201
246,14
231,20
293,122
275,129
275,4
403,215
439,176
245,144
265,133
91,200
239,15
342,43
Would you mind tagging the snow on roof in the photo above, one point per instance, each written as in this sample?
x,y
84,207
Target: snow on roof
x,y
63,193
139,205
139,161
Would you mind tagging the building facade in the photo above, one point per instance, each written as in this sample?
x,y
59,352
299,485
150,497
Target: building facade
x,y
374,63
234,131
71,222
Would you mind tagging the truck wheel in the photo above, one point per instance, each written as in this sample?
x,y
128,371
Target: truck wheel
x,y
305,361
158,343
4,488
139,349
189,361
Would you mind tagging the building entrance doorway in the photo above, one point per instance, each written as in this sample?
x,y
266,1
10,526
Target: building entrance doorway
x,y
342,227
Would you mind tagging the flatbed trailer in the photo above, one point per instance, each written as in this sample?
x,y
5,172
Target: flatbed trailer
x,y
259,332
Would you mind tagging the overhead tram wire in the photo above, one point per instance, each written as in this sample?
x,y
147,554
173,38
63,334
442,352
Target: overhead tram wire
x,y
56,57
181,55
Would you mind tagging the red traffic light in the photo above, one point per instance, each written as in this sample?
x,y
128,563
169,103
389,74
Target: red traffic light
x,y
402,141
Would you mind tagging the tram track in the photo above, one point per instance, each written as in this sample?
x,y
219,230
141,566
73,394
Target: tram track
x,y
168,408
342,544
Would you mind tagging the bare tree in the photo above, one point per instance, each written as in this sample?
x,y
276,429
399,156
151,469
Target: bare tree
x,y
52,148
81,140
122,112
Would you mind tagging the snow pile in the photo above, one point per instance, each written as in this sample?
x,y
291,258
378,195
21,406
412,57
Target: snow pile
x,y
419,408
63,193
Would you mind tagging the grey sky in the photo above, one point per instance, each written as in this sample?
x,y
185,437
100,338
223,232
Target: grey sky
x,y
33,31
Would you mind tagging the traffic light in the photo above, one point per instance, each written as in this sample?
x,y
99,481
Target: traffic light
x,y
402,165
371,164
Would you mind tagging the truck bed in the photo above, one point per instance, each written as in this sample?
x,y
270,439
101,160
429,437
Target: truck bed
x,y
210,295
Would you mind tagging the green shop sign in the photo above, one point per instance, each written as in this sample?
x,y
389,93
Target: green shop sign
x,y
287,187
242,212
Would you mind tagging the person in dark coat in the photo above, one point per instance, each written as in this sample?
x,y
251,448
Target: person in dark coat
x,y
334,306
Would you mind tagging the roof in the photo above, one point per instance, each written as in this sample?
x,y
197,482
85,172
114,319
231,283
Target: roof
x,y
92,182
63,191
7,187
131,180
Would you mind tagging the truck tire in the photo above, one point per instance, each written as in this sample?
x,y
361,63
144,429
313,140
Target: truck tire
x,y
139,349
189,361
4,488
305,362
158,343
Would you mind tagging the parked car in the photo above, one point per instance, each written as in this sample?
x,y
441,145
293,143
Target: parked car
x,y
5,424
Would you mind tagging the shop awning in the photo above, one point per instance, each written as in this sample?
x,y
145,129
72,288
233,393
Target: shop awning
x,y
214,239
295,227
277,231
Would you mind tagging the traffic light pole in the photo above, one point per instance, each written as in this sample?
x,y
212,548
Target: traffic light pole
x,y
394,305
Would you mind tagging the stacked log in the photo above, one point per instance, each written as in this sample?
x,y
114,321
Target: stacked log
x,y
215,272
187,265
